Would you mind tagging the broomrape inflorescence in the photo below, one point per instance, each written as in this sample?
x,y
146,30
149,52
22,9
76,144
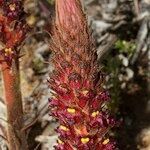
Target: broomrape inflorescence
x,y
13,29
78,97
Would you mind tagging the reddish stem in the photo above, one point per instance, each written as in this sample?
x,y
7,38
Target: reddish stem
x,y
13,100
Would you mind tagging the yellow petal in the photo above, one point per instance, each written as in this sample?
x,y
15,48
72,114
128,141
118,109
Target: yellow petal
x,y
85,140
60,141
64,128
85,92
105,141
12,7
71,110
94,114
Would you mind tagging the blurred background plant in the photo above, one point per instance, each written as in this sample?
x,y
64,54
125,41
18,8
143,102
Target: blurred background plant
x,y
118,69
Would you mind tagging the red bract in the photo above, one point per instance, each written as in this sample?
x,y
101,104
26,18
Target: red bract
x,y
77,83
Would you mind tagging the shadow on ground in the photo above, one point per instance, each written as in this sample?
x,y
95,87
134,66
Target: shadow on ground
x,y
135,109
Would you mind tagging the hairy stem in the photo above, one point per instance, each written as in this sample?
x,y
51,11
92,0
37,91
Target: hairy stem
x,y
13,100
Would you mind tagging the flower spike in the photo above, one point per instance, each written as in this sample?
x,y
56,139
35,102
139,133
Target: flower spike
x,y
78,97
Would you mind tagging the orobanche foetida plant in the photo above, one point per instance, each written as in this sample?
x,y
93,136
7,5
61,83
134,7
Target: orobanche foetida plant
x,y
78,99
13,31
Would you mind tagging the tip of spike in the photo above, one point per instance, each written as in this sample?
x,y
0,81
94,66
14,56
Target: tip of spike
x,y
68,12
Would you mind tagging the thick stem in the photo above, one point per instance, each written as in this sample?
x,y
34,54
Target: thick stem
x,y
13,100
